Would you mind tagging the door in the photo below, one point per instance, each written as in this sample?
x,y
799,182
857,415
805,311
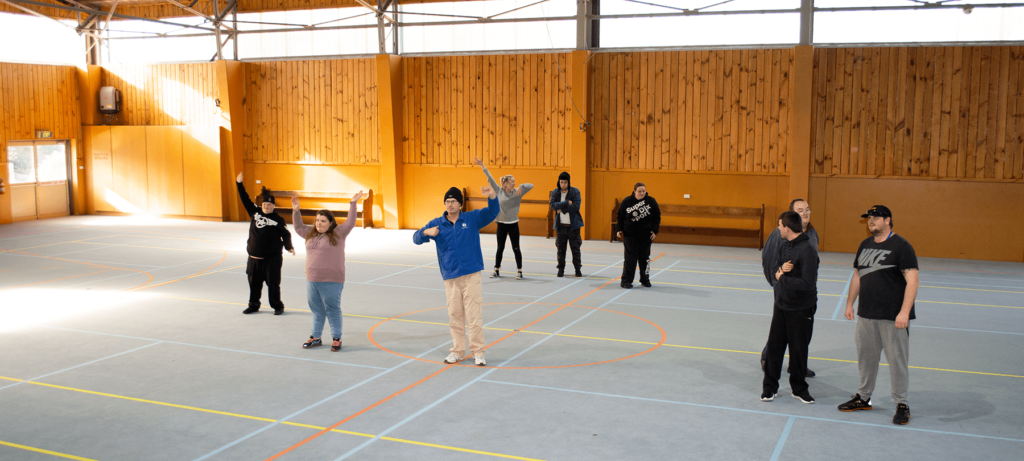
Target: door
x,y
39,179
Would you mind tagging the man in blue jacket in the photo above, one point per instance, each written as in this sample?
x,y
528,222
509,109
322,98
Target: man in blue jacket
x,y
566,201
456,236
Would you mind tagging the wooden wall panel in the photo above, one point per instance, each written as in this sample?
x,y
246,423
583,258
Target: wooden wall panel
x,y
202,163
951,112
724,110
37,97
165,170
99,168
322,112
509,110
165,94
130,171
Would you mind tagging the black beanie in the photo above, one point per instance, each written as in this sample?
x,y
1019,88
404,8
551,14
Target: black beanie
x,y
267,197
564,175
454,193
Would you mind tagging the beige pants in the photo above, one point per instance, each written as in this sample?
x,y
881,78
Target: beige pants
x,y
465,296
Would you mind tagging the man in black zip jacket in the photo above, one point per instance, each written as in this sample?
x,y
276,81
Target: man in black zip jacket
x,y
637,225
796,296
267,235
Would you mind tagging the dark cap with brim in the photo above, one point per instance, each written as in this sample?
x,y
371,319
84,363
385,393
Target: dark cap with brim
x,y
878,210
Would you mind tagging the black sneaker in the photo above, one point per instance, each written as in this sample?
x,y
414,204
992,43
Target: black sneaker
x,y
579,273
767,396
312,342
804,397
902,414
561,273
855,403
519,275
646,283
626,285
251,310
279,311
810,373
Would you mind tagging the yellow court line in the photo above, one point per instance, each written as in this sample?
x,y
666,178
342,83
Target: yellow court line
x,y
237,415
967,304
48,452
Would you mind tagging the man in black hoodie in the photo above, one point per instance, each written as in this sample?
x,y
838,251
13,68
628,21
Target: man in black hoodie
x,y
796,296
267,235
637,226
566,201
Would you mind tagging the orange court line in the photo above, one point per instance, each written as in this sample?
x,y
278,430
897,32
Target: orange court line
x,y
83,262
417,383
54,280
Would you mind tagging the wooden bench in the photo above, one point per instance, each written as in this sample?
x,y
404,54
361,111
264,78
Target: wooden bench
x,y
364,209
548,221
707,212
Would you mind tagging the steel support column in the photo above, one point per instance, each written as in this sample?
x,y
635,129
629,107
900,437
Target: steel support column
x,y
582,24
806,22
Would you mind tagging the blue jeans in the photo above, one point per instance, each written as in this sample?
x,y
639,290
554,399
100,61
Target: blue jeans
x,y
325,303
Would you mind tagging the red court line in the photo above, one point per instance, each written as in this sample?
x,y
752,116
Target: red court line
x,y
417,383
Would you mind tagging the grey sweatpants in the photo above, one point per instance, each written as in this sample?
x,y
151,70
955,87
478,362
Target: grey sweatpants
x,y
873,336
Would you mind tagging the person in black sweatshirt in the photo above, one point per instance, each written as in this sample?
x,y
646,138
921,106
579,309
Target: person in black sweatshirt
x,y
267,235
637,226
796,296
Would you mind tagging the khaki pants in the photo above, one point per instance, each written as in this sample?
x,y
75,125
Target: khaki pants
x,y
465,296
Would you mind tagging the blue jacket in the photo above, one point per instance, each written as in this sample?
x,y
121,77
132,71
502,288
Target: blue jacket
x,y
458,245
563,206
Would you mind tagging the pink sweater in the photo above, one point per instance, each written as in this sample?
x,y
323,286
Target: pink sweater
x,y
325,263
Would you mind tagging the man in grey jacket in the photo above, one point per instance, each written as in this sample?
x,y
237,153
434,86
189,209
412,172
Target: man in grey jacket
x,y
771,259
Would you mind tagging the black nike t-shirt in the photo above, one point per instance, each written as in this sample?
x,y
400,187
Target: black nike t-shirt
x,y
882,284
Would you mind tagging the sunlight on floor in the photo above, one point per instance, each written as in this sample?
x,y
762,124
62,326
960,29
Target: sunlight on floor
x,y
26,307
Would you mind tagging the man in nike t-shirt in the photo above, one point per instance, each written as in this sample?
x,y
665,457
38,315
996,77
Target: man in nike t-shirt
x,y
885,276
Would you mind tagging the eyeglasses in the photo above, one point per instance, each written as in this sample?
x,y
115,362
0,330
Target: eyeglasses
x,y
451,201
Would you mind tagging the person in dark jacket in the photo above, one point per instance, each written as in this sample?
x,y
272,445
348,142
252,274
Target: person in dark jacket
x,y
771,257
267,235
566,201
456,236
637,226
796,296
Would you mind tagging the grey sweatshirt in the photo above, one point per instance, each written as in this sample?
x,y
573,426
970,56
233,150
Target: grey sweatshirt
x,y
508,201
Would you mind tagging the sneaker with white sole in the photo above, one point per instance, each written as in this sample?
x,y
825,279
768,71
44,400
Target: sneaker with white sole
x,y
767,396
452,358
804,397
480,361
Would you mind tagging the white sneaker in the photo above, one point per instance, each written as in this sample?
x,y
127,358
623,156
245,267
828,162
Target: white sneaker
x,y
452,358
480,361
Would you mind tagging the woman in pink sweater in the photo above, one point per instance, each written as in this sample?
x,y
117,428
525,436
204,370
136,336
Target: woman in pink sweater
x,y
325,268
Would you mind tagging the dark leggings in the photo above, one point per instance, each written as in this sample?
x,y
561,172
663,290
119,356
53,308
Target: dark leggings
x,y
512,231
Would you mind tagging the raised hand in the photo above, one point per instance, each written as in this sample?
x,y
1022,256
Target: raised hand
x,y
295,203
359,196
432,232
477,161
486,190
238,178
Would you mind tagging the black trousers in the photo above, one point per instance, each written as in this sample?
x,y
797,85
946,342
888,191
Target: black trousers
x,y
564,235
260,271
512,232
637,251
792,329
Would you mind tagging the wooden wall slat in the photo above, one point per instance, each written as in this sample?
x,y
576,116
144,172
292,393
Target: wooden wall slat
x,y
37,97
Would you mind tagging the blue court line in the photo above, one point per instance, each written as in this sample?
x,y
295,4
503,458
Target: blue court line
x,y
782,438
81,365
483,375
136,273
846,291
215,347
757,412
35,235
286,418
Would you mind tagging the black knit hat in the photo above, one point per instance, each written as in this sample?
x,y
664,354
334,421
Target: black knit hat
x,y
454,193
564,175
267,196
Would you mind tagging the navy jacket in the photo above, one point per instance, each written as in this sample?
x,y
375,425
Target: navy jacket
x,y
560,206
458,244
798,289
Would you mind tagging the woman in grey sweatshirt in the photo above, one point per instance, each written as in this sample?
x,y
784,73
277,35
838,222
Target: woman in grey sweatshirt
x,y
509,197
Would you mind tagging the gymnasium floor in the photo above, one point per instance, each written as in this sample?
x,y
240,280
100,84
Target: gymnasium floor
x,y
123,339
